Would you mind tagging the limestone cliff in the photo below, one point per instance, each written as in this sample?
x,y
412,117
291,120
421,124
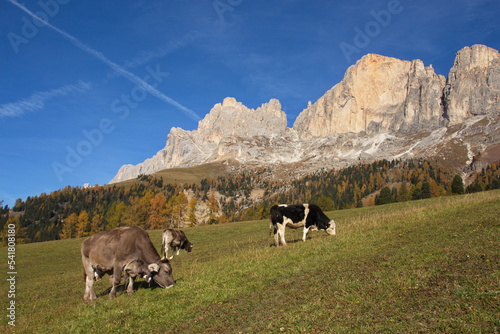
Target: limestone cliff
x,y
473,85
229,131
384,108
377,94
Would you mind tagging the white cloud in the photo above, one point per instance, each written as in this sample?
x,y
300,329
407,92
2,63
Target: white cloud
x,y
36,101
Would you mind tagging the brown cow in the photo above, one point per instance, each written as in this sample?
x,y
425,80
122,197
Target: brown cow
x,y
176,240
123,249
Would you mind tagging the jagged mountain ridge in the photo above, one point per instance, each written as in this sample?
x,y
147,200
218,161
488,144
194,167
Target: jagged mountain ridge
x,y
383,108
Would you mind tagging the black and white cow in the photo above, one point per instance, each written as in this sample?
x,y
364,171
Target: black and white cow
x,y
308,216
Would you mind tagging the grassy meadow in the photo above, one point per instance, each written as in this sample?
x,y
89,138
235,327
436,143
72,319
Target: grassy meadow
x,y
429,266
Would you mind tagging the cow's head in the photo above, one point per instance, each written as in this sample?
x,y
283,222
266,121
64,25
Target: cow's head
x,y
188,246
331,230
161,273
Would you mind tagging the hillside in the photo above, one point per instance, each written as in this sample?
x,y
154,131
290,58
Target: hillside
x,y
233,194
186,175
420,266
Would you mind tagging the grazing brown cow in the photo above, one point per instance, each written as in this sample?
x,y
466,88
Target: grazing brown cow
x,y
123,249
176,240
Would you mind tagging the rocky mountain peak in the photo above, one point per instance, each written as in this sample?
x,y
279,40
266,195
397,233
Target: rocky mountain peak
x,y
384,108
377,94
476,56
473,85
231,118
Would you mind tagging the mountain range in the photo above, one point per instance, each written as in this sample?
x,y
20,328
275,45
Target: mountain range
x,y
384,108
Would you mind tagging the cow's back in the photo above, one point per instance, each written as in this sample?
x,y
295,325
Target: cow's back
x,y
120,244
101,247
173,237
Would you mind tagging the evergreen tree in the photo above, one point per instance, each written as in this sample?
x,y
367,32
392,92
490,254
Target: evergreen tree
x,y
325,203
384,197
495,183
416,194
457,185
426,191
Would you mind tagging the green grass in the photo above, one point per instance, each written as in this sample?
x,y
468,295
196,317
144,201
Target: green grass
x,y
417,267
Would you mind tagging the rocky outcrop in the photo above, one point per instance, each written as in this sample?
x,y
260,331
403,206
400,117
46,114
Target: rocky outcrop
x,y
377,94
383,108
229,131
473,85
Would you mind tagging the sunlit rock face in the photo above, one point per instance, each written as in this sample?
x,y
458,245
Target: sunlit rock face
x,y
473,85
384,108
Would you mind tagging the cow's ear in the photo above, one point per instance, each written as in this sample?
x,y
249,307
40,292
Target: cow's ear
x,y
165,260
154,267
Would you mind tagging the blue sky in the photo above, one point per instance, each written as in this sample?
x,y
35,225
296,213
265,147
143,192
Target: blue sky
x,y
94,85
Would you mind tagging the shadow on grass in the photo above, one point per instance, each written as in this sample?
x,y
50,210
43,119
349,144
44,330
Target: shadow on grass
x,y
123,287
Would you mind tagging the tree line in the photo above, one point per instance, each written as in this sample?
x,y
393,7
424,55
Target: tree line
x,y
151,203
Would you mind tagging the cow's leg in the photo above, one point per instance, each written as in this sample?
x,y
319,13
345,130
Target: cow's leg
x,y
276,235
163,251
173,253
304,233
89,283
115,280
89,289
130,286
112,293
281,233
166,253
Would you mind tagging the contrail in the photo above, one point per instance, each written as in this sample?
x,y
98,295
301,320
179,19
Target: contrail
x,y
115,67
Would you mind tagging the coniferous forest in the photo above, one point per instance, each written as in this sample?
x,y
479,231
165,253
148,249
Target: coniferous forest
x,y
74,212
